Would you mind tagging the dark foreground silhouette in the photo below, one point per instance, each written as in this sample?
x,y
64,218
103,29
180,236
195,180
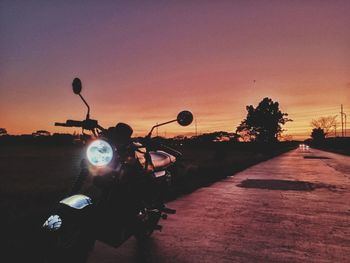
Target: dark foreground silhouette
x,y
30,190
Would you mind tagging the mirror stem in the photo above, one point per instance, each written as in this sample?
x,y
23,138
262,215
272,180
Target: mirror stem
x,y
155,126
87,105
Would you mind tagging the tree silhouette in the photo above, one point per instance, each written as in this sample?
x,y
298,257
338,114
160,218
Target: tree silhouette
x,y
327,124
318,134
218,136
41,133
3,132
263,123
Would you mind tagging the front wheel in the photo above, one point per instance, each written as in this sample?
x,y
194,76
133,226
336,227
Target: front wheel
x,y
148,222
69,244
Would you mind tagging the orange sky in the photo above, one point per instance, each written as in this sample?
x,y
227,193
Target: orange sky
x,y
143,63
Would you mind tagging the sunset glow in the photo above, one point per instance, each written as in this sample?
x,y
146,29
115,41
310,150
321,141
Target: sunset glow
x,y
141,63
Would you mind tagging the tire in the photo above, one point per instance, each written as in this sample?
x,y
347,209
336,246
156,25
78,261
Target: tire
x,y
144,234
71,244
146,227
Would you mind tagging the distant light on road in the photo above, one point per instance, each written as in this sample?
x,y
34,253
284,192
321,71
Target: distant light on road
x,y
303,147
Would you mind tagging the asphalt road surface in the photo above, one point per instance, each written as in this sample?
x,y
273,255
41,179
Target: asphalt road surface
x,y
293,208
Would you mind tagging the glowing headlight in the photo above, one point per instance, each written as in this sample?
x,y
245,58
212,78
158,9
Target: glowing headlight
x,y
99,153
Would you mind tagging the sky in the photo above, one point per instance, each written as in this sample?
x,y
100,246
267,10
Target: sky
x,y
141,62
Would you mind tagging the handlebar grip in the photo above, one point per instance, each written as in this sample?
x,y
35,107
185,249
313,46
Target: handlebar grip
x,y
73,123
86,124
70,123
61,124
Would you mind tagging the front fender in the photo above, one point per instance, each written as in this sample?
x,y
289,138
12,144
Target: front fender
x,y
65,212
77,201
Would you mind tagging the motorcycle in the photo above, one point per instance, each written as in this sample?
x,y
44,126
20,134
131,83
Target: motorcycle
x,y
131,176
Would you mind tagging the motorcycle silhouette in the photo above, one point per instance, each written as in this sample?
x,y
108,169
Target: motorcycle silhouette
x,y
131,176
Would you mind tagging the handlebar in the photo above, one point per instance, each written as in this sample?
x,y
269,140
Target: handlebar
x,y
70,123
61,124
88,124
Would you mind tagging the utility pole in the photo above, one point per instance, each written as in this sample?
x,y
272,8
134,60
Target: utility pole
x,y
157,129
342,122
195,123
345,124
335,126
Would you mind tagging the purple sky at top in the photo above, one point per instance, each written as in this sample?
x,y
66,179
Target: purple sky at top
x,y
143,61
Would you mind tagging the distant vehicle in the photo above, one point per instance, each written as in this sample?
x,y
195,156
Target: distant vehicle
x,y
131,176
304,147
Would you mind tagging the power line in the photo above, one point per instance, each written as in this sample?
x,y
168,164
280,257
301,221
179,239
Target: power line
x,y
310,117
298,129
318,110
313,113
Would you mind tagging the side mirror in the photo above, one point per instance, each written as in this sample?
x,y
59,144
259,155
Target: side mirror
x,y
184,118
77,86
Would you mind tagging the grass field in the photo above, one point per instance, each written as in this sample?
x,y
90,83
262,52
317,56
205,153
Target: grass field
x,y
34,178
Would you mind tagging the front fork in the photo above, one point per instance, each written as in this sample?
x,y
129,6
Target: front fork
x,y
80,179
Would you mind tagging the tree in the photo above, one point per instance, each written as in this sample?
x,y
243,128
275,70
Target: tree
x,y
3,132
41,133
318,134
263,123
327,124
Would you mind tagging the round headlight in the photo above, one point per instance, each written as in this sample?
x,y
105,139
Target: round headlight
x,y
99,153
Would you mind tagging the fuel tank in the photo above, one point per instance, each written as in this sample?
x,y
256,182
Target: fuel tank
x,y
160,159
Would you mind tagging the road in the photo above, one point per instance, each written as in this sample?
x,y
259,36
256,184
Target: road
x,y
293,208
